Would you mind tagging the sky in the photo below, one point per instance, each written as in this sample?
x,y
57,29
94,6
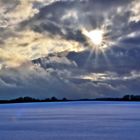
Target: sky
x,y
69,48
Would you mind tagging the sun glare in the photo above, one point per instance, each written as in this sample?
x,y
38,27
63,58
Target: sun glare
x,y
98,43
96,37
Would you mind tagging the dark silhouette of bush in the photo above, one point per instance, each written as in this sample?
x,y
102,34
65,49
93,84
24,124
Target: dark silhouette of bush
x,y
54,99
64,99
131,98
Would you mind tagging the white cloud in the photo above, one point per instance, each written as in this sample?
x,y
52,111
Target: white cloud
x,y
135,9
13,13
28,45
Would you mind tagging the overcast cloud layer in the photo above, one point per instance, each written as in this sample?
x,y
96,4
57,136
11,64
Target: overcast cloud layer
x,y
44,52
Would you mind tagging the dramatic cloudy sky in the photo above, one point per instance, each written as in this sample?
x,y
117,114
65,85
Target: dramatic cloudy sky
x,y
46,49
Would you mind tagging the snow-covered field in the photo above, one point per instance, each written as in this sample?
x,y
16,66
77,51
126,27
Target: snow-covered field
x,y
70,121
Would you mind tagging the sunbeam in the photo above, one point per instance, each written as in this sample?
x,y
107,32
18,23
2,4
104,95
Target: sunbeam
x,y
99,43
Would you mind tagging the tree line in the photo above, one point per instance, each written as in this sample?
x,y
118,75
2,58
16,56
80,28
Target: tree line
x,y
54,99
31,99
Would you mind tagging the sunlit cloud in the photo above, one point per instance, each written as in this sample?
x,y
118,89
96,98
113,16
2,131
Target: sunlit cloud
x,y
109,76
28,45
17,12
135,8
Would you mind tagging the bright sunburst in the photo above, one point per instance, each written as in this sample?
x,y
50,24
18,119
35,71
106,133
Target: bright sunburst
x,y
97,38
98,41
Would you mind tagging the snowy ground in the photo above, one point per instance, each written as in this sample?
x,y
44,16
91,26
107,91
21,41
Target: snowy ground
x,y
70,121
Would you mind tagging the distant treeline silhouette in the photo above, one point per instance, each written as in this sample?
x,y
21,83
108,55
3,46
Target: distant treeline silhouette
x,y
30,99
124,98
54,99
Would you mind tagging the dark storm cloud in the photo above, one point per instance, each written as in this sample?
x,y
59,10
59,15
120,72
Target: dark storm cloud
x,y
132,41
118,60
53,19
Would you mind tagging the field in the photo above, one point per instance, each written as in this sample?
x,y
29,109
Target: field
x,y
70,121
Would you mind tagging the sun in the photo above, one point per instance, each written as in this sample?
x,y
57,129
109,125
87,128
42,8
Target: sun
x,y
96,36
98,42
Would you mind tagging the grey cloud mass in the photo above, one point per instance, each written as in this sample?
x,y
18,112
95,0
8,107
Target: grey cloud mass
x,y
44,50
